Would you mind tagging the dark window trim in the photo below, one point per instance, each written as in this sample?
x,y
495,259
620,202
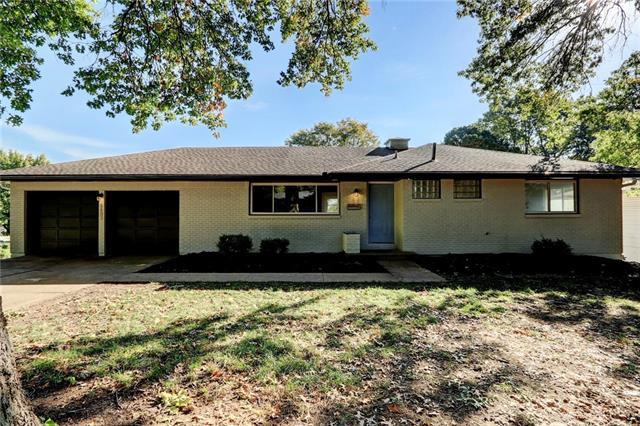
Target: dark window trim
x,y
548,182
301,214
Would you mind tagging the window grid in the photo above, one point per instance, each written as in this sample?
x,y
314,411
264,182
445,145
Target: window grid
x,y
427,189
467,188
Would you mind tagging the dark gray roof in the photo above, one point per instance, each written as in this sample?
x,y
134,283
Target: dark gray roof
x,y
228,163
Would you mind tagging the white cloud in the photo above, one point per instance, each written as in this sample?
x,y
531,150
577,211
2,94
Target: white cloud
x,y
50,136
67,145
404,71
254,105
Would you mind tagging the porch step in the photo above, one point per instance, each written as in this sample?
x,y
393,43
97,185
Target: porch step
x,y
406,270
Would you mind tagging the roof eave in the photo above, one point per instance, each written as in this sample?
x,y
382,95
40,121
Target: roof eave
x,y
613,174
159,177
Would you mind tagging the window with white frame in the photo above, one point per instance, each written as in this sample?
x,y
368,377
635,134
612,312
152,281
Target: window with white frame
x,y
467,188
551,197
426,189
294,199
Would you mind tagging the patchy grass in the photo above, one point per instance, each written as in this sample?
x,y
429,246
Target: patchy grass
x,y
465,352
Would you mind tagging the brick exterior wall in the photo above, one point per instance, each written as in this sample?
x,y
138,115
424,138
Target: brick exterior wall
x,y
210,209
497,223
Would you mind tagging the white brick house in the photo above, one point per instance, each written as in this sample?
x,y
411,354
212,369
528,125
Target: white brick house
x,y
431,199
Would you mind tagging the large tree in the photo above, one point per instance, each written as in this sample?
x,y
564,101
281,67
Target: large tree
x,y
10,159
557,43
14,408
346,132
162,60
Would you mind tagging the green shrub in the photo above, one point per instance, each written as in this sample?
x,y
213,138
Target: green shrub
x,y
550,248
274,246
235,244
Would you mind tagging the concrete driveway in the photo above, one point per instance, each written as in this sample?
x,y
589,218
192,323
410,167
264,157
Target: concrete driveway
x,y
27,280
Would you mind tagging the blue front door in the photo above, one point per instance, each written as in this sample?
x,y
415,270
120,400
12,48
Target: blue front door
x,y
381,213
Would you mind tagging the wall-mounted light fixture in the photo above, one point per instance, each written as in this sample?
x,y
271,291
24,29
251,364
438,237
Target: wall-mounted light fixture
x,y
355,200
100,196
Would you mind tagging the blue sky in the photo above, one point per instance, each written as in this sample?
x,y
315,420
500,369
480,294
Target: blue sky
x,y
409,87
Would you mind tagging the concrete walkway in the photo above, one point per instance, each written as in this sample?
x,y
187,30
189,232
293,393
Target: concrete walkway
x,y
27,280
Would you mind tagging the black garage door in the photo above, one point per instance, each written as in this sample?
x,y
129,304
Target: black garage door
x,y
142,222
62,223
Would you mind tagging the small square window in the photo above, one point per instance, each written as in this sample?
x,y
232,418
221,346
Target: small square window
x,y
426,189
467,188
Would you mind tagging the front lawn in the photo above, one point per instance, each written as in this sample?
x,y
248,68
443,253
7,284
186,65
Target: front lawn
x,y
489,350
258,262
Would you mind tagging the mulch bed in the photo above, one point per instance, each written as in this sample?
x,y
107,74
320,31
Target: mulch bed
x,y
528,264
257,262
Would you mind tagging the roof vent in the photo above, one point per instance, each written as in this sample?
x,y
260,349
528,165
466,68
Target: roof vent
x,y
399,144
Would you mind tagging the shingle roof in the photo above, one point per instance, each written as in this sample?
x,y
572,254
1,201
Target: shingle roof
x,y
225,163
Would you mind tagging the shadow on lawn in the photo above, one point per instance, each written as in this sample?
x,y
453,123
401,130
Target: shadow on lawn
x,y
583,285
591,310
152,356
401,375
407,375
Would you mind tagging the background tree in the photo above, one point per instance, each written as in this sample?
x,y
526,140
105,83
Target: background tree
x,y
619,142
476,136
622,90
158,61
11,160
536,122
346,132
613,116
525,120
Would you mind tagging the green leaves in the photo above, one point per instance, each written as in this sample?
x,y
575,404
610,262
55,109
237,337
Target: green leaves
x,y
525,120
166,60
619,141
622,89
346,132
326,34
477,136
556,43
25,27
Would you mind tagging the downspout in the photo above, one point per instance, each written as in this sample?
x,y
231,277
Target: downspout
x,y
432,159
632,183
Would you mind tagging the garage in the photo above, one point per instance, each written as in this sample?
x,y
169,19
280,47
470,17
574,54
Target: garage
x,y
62,223
142,222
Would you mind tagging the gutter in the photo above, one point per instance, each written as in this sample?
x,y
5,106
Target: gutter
x,y
325,176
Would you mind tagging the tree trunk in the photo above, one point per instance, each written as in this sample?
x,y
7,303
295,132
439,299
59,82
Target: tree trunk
x,y
14,408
